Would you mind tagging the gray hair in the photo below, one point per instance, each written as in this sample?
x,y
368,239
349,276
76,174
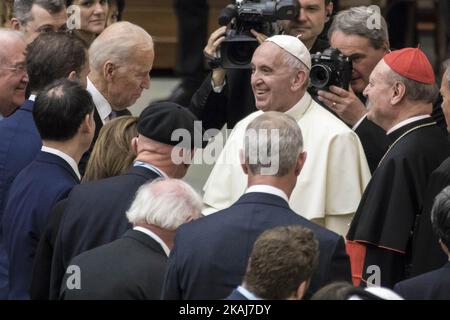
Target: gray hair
x,y
296,64
415,91
261,151
356,21
118,43
6,37
446,65
440,216
166,203
22,8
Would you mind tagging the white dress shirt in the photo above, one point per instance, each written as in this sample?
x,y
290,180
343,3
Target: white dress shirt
x,y
268,189
101,104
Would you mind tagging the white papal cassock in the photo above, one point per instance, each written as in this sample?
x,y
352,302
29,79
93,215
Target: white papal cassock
x,y
331,182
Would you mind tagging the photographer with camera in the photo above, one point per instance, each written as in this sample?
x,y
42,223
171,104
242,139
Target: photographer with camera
x,y
226,95
361,34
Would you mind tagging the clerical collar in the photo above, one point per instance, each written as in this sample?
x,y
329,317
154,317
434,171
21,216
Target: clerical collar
x,y
101,104
406,122
159,172
300,108
268,189
70,161
247,294
155,237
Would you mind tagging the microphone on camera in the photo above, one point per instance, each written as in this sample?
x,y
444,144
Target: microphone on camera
x,y
227,14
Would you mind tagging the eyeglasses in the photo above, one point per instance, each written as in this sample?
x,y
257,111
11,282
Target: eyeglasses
x,y
17,69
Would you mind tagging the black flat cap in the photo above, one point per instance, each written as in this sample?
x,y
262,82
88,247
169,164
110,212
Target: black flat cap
x,y
160,121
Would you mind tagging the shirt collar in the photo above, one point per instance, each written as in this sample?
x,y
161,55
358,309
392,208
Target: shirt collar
x,y
247,294
407,121
155,237
156,170
32,97
72,163
101,104
300,108
268,189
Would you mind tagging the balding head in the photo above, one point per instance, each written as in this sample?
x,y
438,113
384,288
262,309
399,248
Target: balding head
x,y
119,43
121,59
13,73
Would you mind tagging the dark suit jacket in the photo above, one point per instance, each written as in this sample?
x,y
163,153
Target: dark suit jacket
x,y
19,144
94,215
33,193
235,295
131,267
434,285
40,281
98,125
210,254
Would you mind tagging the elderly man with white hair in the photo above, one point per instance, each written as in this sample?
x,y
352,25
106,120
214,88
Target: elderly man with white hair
x,y
133,266
13,73
121,59
335,173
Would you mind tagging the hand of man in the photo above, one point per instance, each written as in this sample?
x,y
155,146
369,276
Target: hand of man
x,y
261,37
214,41
344,103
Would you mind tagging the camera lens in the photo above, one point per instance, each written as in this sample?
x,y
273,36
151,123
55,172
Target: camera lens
x,y
320,76
240,53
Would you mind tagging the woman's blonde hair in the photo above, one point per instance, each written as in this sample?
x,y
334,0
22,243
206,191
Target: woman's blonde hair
x,y
112,154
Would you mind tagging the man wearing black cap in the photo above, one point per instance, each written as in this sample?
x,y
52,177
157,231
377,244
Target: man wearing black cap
x,y
95,212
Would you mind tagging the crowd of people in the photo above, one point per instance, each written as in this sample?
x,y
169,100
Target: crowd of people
x,y
317,194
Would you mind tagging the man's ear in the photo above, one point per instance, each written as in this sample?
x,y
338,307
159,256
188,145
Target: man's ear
x,y
15,24
300,162
88,124
399,92
134,145
109,70
328,11
298,81
301,290
73,76
242,161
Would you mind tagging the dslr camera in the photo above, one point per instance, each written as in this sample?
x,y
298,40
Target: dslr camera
x,y
237,49
330,68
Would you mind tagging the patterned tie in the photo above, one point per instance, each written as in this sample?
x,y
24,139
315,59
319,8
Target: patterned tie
x,y
112,115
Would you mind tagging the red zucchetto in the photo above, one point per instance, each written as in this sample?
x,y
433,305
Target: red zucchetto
x,y
411,63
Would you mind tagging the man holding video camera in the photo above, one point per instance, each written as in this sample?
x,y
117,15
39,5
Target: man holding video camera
x,y
361,34
225,96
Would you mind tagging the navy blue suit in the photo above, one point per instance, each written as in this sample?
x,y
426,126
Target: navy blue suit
x,y
434,285
94,215
45,181
210,254
19,144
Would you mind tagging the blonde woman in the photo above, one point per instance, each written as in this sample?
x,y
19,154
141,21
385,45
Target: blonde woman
x,y
112,154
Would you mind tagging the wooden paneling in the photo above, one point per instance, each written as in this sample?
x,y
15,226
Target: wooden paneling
x,y
158,18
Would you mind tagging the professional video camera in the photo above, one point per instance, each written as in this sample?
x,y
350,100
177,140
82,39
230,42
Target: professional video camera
x,y
330,68
237,49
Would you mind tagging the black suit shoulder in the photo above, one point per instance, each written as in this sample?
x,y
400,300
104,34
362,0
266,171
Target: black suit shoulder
x,y
131,267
